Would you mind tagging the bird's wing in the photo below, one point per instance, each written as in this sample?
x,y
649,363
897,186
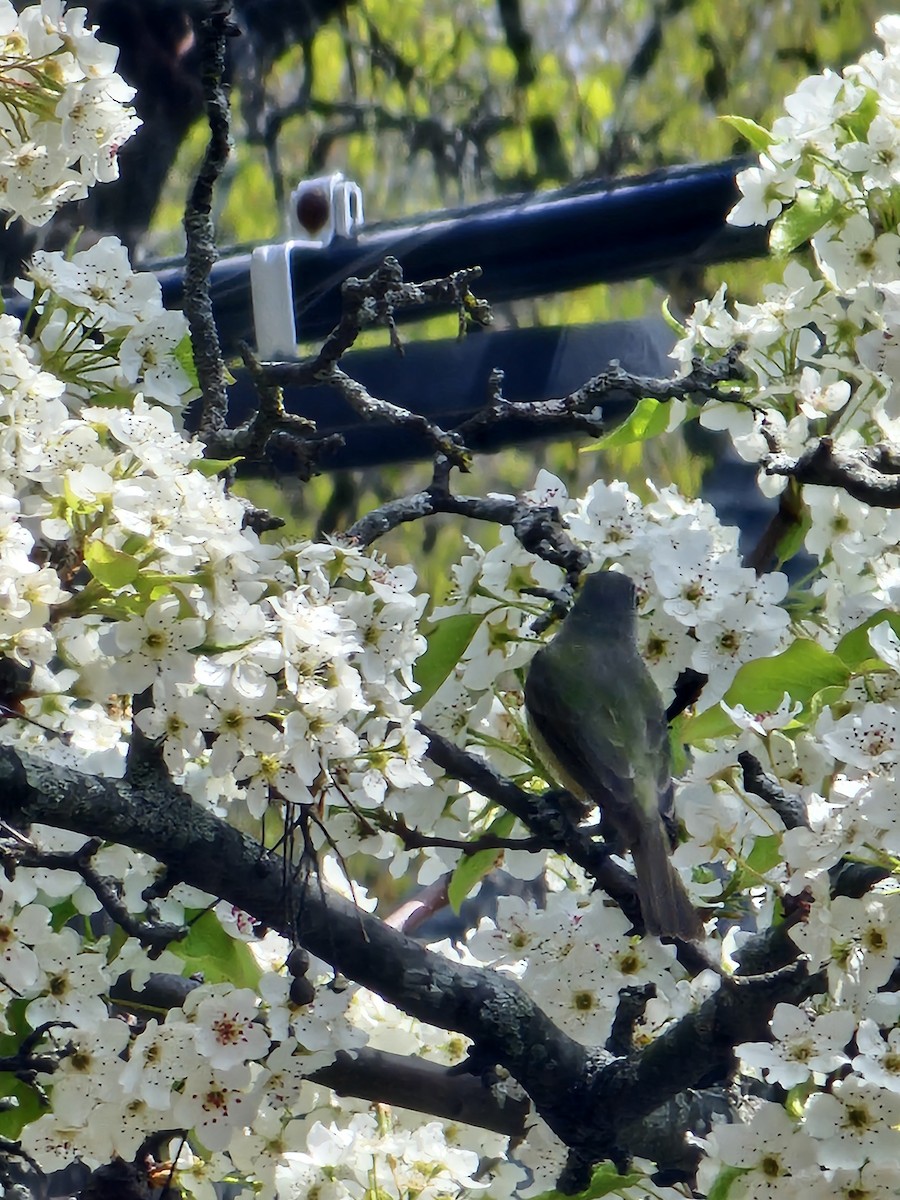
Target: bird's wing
x,y
595,764
658,750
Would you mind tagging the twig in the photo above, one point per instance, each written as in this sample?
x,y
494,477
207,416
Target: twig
x,y
200,253
538,528
252,438
152,932
412,839
791,809
415,912
271,423
370,408
630,1011
870,474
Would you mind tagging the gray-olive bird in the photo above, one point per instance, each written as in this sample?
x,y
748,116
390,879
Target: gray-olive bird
x,y
597,721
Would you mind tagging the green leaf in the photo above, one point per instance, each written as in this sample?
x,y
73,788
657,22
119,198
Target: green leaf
x,y
472,868
113,398
763,857
766,853
184,356
678,752
805,217
798,1096
648,419
757,135
792,540
854,647
62,912
220,958
723,1181
21,1104
447,642
80,504
803,670
708,726
822,700
605,1181
113,568
214,466
857,122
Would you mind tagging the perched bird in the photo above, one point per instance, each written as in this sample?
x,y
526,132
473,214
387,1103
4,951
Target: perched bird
x,y
597,721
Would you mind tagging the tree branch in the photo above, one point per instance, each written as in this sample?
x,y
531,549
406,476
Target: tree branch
x,y
586,1098
424,1087
209,854
538,529
200,254
870,474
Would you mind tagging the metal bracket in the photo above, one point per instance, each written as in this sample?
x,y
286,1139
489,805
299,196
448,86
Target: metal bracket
x,y
321,209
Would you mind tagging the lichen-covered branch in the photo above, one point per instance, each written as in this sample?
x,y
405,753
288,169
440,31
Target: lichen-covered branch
x,y
584,1095
200,252
370,408
373,301
871,474
538,528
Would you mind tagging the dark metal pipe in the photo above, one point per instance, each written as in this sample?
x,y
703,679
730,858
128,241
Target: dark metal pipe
x,y
528,245
593,232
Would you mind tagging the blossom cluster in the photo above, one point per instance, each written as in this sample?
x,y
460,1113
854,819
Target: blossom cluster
x,y
820,358
821,351
819,355
134,597
64,111
128,571
231,1063
699,607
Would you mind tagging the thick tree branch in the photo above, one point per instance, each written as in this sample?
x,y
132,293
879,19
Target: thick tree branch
x,y
204,851
583,1095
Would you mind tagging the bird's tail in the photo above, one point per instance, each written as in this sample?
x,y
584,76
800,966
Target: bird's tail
x,y
665,904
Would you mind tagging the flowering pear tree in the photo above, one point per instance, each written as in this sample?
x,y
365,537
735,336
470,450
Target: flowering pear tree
x,y
210,740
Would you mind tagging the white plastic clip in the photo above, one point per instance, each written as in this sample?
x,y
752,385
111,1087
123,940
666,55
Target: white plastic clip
x,y
321,209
